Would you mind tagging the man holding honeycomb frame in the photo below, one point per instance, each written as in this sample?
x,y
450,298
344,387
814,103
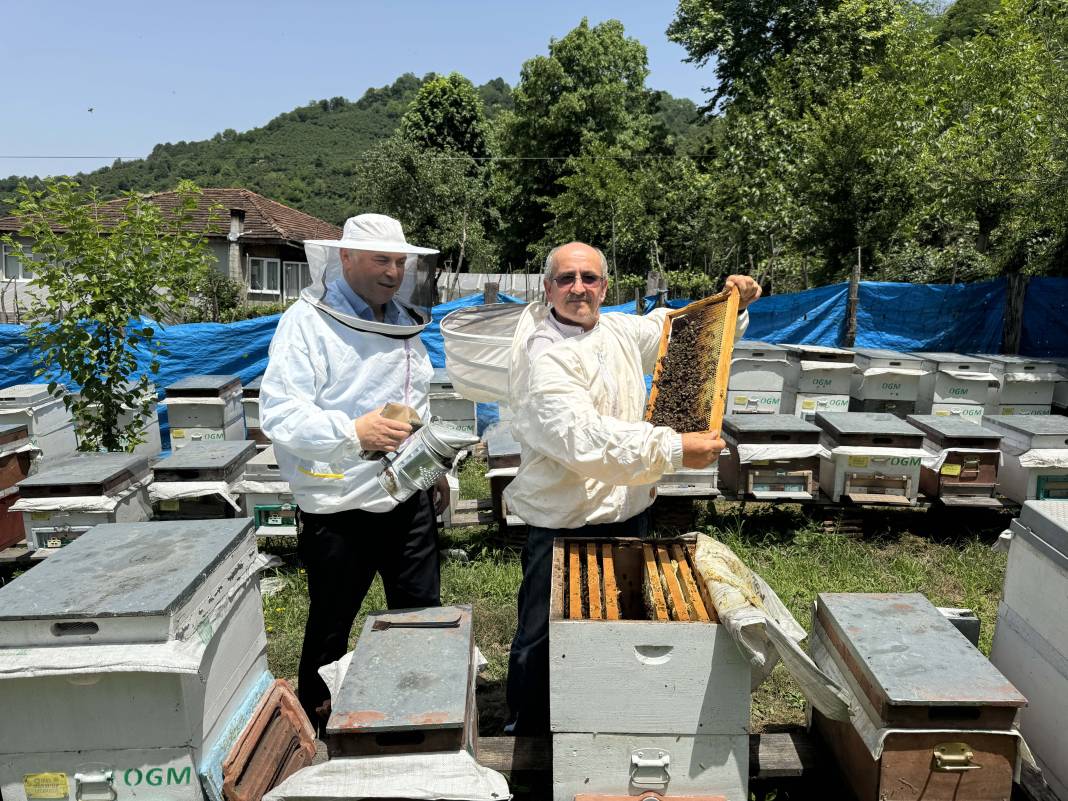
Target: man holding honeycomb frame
x,y
588,459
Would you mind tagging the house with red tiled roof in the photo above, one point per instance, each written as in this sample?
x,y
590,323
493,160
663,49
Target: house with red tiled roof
x,y
256,241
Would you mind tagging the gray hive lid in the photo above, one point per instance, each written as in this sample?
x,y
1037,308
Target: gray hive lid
x,y
907,654
25,395
123,569
429,688
252,388
11,432
817,353
206,460
1048,520
263,466
950,358
865,423
881,353
1031,424
760,423
772,351
500,442
951,427
85,474
203,386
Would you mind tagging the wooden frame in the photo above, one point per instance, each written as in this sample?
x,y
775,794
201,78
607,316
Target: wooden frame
x,y
719,397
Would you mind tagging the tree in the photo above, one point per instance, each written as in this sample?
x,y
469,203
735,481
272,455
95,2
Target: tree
x,y
439,196
104,284
589,91
447,114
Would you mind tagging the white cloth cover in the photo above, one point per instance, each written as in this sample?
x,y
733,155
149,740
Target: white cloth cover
x,y
762,627
176,490
936,456
247,487
806,366
438,776
8,450
1036,457
967,375
321,376
79,503
587,454
199,401
1035,377
767,452
865,450
909,371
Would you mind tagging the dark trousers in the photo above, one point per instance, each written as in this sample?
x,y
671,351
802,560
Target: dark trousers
x,y
341,553
528,661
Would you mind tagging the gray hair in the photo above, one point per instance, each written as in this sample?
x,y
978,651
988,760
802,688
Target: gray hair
x,y
548,271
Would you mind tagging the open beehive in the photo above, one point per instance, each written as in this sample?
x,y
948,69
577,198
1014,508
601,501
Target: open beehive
x,y
632,580
689,389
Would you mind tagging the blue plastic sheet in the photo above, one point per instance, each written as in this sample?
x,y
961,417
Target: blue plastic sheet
x,y
813,317
1045,319
961,318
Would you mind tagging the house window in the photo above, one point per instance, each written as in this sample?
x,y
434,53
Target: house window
x,y
297,276
14,268
263,275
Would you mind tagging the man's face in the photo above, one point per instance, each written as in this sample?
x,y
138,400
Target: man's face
x,y
578,301
373,276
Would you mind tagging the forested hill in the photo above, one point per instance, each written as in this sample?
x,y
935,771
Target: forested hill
x,y
307,157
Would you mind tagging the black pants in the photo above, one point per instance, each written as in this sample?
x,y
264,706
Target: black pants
x,y
528,661
341,553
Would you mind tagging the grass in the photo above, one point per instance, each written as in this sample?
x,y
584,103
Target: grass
x,y
948,559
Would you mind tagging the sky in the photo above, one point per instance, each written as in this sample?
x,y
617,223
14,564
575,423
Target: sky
x,y
113,78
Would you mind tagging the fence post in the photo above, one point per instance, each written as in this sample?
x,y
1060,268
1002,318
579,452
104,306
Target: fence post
x,y
489,292
639,305
1012,333
851,307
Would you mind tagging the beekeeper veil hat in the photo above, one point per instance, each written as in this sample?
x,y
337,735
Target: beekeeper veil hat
x,y
382,285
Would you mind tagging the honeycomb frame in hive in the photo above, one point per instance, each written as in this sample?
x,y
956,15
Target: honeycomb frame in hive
x,y
673,399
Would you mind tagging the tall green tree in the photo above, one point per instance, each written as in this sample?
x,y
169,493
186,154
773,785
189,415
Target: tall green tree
x,y
103,285
447,115
588,92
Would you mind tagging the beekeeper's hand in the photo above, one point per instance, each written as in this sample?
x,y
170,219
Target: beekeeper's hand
x,y
701,448
748,289
378,433
441,494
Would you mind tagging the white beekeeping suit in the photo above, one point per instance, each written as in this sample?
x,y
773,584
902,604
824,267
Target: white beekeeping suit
x,y
588,457
331,361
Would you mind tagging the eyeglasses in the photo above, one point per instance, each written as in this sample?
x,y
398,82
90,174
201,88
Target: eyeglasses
x,y
588,279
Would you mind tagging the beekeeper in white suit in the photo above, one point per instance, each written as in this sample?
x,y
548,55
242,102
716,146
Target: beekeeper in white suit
x,y
588,459
346,348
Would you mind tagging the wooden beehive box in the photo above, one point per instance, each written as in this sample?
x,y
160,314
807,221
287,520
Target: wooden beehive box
x,y
641,698
932,717
874,458
968,472
410,687
771,457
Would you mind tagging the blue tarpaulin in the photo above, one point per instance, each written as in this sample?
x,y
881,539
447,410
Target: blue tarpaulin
x,y
1045,318
961,317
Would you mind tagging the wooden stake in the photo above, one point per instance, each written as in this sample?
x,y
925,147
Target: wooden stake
x,y
851,307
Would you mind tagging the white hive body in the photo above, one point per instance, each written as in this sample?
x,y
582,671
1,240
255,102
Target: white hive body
x,y
1025,385
955,385
873,458
205,408
266,497
758,378
638,704
195,483
1034,456
70,496
125,657
819,380
1031,641
885,381
50,425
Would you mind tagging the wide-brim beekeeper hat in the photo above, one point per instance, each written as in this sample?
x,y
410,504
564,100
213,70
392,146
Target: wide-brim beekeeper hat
x,y
408,312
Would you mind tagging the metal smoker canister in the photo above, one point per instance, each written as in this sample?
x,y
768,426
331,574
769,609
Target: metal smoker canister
x,y
426,457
